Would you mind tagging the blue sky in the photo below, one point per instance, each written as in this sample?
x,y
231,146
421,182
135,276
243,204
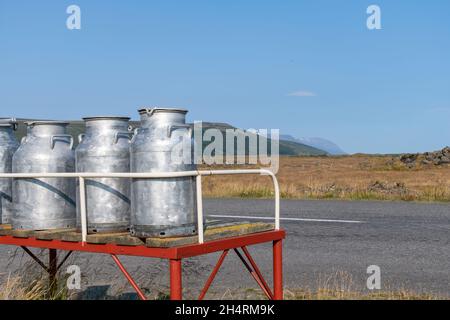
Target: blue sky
x,y
248,63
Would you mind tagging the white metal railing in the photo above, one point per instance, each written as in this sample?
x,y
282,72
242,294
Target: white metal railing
x,y
81,176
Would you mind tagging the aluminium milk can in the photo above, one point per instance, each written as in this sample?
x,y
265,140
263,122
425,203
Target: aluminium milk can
x,y
162,207
105,148
44,203
8,145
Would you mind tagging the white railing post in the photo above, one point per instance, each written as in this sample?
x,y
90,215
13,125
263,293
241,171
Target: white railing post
x,y
83,211
199,208
277,199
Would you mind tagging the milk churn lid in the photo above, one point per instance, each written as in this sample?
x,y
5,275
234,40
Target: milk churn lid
x,y
151,111
106,118
46,122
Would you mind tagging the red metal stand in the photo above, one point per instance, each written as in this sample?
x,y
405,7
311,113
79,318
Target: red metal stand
x,y
174,255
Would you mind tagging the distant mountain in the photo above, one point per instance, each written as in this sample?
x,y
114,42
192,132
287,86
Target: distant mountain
x,y
287,147
318,143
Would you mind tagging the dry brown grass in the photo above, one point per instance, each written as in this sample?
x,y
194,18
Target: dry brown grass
x,y
30,281
328,294
349,177
16,288
340,285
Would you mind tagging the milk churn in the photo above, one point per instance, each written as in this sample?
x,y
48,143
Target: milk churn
x,y
162,207
44,203
8,145
105,148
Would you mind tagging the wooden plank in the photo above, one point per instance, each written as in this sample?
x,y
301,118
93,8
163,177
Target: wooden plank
x,y
5,229
122,238
71,236
212,233
215,230
22,233
51,234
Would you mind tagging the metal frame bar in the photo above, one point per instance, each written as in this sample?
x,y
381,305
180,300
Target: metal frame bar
x,y
199,193
278,269
255,272
39,262
254,275
258,272
52,270
83,210
181,252
129,278
213,275
176,282
153,175
36,259
65,259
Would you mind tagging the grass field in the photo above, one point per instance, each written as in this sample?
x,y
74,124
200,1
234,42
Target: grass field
x,y
358,177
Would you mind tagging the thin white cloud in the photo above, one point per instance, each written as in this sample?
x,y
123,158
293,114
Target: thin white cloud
x,y
302,93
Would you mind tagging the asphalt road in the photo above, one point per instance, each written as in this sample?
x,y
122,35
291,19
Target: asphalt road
x,y
410,242
329,243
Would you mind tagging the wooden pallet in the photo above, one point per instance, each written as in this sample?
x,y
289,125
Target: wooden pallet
x,y
215,230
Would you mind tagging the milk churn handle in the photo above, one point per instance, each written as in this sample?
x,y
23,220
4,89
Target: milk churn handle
x,y
52,140
150,111
81,137
14,124
173,127
135,133
124,134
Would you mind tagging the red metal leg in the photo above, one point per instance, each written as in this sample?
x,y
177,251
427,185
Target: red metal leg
x,y
253,273
176,288
278,269
213,274
129,278
255,267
